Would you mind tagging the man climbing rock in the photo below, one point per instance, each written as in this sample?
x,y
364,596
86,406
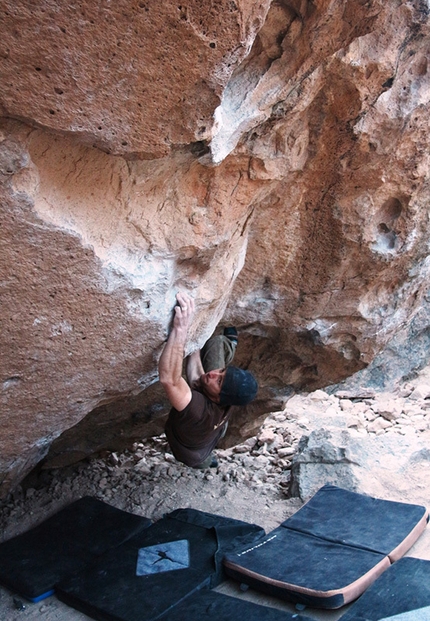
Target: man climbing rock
x,y
201,408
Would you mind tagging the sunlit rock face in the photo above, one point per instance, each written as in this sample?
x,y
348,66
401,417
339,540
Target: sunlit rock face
x,y
270,159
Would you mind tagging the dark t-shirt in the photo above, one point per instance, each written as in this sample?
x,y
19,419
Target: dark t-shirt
x,y
194,432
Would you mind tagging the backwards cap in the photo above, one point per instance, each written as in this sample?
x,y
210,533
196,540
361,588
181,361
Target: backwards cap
x,y
238,388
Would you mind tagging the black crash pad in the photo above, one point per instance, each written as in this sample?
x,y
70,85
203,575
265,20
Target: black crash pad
x,y
404,587
331,550
341,516
212,606
32,563
304,569
156,569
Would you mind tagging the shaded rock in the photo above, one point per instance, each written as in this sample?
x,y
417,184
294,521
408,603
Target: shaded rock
x,y
323,457
372,465
358,393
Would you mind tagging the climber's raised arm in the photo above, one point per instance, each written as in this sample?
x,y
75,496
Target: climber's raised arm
x,y
171,360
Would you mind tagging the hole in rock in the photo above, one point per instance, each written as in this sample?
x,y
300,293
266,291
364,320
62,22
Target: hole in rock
x,y
391,210
388,83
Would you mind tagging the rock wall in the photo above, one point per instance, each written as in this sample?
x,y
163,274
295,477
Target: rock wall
x,y
269,158
133,77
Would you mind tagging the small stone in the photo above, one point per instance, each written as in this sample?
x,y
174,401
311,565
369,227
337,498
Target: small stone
x,y
417,417
266,436
249,462
346,404
114,459
370,415
405,391
286,452
261,461
318,395
241,448
285,480
18,604
410,409
331,410
280,417
387,407
143,467
379,424
422,391
405,420
303,422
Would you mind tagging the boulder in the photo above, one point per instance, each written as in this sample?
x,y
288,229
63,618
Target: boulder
x,y
383,466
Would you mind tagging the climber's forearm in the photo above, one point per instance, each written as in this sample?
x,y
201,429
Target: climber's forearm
x,y
171,359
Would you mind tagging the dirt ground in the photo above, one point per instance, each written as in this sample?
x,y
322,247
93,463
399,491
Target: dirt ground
x,y
251,483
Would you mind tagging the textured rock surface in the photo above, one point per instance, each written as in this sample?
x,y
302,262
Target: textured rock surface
x,y
310,233
131,77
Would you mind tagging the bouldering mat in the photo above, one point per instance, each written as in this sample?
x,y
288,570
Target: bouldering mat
x,y
212,606
306,570
157,568
32,563
329,552
403,588
384,526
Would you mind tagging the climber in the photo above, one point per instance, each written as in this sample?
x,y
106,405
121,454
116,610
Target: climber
x,y
200,408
